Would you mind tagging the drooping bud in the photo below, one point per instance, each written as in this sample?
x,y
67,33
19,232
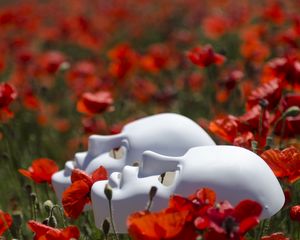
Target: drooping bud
x,y
105,227
33,197
108,192
48,205
52,221
292,112
263,103
152,192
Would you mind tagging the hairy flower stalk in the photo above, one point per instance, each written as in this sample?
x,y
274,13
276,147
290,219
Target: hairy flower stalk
x,y
108,194
152,194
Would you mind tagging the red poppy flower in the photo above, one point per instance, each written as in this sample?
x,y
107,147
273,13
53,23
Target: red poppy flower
x,y
174,222
295,213
286,68
215,26
275,236
242,130
124,60
95,103
230,79
44,232
51,61
205,56
229,221
83,76
149,89
185,216
7,94
31,101
226,127
274,13
285,163
270,91
254,50
77,195
291,123
244,140
250,122
155,226
156,59
41,170
5,222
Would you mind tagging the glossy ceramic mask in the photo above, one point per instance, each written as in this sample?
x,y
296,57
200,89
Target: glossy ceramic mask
x,y
168,133
234,173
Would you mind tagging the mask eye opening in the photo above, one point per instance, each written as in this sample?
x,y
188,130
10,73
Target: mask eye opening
x,y
117,153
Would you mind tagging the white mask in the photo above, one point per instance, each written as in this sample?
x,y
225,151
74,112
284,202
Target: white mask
x,y
234,173
168,133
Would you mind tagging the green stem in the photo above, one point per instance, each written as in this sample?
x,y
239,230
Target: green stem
x,y
282,130
111,219
260,126
46,190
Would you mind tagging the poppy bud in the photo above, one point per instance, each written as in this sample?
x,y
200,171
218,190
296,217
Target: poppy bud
x,y
64,66
269,143
45,221
254,145
152,192
199,237
86,229
263,103
292,112
52,221
4,156
33,197
295,213
105,227
28,189
15,228
108,192
48,205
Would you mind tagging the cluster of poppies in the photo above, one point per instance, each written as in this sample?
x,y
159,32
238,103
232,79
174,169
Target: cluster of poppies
x,y
69,69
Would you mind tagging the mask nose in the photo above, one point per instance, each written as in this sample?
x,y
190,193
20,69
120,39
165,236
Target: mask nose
x,y
156,164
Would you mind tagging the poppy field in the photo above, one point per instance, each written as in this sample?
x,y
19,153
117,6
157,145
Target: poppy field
x,y
73,68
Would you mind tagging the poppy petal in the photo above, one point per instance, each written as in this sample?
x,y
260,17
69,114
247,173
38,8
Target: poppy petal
x,y
25,173
99,174
206,196
71,232
5,221
145,225
38,228
247,224
43,169
274,158
78,174
246,209
75,197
